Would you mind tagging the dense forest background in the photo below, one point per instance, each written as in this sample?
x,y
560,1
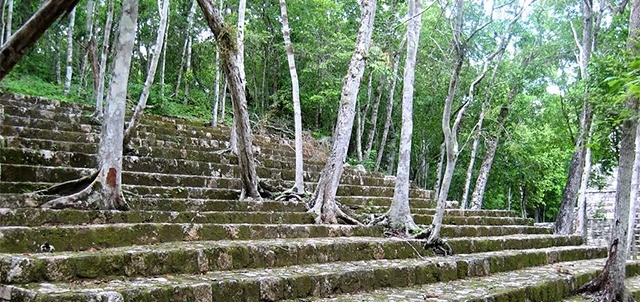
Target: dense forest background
x,y
532,95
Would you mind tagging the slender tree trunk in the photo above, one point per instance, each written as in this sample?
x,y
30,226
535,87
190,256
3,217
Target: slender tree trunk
x,y
58,63
374,119
13,49
472,157
399,212
88,40
2,22
216,89
69,68
297,114
582,198
436,187
323,200
9,26
155,57
181,70
224,101
163,65
242,6
635,183
388,119
241,117
105,191
103,60
361,118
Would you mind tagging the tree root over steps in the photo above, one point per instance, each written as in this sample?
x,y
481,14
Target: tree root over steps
x,y
86,193
409,231
600,287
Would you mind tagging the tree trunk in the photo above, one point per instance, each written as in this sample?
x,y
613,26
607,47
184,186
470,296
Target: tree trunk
x,y
635,183
242,6
323,202
58,63
103,60
388,119
374,119
232,69
181,70
163,65
399,212
565,218
105,191
69,68
362,117
2,22
216,99
523,202
9,26
472,157
582,198
224,101
155,57
13,49
297,114
436,186
88,40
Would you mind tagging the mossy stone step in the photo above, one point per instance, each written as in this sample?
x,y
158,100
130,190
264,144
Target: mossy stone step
x,y
51,145
62,116
295,282
202,256
47,217
549,283
452,212
473,220
170,204
22,100
62,136
99,236
48,124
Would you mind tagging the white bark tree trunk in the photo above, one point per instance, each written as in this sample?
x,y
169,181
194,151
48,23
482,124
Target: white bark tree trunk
x,y
8,31
635,183
87,41
103,60
163,65
155,58
400,213
374,119
106,190
582,197
323,200
361,117
232,69
295,89
69,66
216,98
2,22
388,119
242,7
436,186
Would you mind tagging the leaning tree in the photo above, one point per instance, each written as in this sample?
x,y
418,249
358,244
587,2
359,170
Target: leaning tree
x,y
323,203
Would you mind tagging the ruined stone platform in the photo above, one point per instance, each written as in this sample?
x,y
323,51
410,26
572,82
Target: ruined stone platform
x,y
188,238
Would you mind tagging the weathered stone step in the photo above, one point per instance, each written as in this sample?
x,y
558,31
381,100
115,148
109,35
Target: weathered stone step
x,y
63,116
48,124
295,282
551,282
62,136
47,144
100,236
171,204
21,100
205,256
41,217
28,239
452,212
43,157
473,220
48,217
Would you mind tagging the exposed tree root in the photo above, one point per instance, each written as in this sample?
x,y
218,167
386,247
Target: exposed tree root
x,y
330,213
411,231
94,195
69,187
601,285
291,194
224,151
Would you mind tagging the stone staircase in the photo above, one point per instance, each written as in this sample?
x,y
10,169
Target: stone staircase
x,y
188,238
